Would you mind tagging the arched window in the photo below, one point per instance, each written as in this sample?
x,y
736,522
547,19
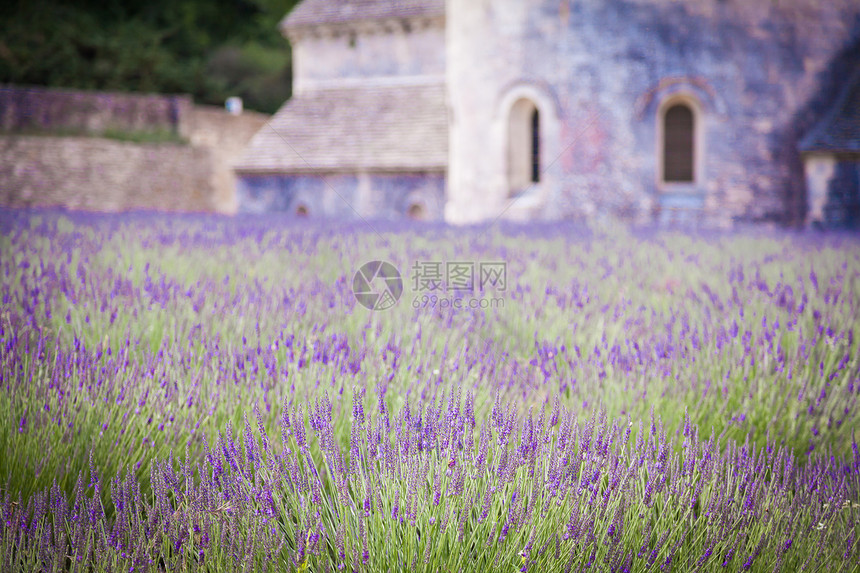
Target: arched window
x,y
302,211
679,144
524,136
535,146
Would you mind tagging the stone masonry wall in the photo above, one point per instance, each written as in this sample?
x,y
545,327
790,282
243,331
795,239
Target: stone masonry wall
x,y
92,173
833,184
368,195
368,53
43,109
225,137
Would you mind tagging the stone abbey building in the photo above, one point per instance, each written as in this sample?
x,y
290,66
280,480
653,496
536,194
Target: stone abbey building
x,y
710,112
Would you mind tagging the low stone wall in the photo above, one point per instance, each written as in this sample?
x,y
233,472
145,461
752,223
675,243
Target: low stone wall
x,y
103,175
92,173
43,109
225,136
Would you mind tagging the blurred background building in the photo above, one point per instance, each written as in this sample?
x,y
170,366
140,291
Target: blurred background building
x,y
699,112
703,111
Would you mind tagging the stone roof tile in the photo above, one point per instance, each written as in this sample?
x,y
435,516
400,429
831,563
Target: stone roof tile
x,y
318,12
392,128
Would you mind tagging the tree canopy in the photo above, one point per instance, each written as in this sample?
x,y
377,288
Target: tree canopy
x,y
211,49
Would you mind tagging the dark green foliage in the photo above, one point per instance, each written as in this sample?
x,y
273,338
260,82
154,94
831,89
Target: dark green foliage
x,y
211,49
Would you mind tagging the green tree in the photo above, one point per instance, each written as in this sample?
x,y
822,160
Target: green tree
x,y
211,49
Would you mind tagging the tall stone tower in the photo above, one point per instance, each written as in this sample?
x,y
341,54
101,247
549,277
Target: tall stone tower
x,y
504,118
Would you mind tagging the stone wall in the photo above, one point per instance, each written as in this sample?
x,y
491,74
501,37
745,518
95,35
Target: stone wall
x,y
225,137
369,52
600,73
42,109
367,195
833,184
93,173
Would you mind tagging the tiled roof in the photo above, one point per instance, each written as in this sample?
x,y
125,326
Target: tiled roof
x,y
316,12
395,128
839,129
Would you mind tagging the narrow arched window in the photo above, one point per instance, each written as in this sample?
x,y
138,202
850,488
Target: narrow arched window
x,y
678,144
535,146
523,146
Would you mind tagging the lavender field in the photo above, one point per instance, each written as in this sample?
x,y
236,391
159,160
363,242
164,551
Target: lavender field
x,y
190,393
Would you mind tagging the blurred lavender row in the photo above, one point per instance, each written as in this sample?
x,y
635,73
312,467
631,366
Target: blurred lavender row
x,y
640,401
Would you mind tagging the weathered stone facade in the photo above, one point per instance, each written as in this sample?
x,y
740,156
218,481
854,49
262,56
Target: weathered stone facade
x,y
581,108
373,195
603,72
831,153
